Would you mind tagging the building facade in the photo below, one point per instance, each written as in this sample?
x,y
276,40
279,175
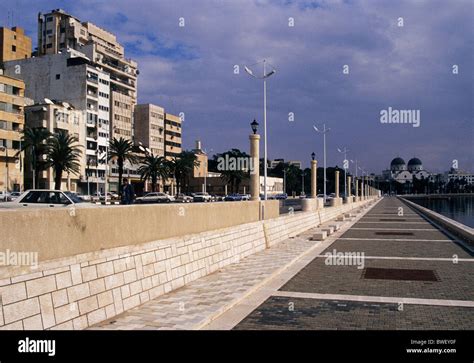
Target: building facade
x,y
55,116
58,31
70,77
173,146
12,122
150,127
14,44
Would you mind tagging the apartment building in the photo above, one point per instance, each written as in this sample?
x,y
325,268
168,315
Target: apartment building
x,y
14,44
55,116
71,77
58,31
172,135
150,127
12,121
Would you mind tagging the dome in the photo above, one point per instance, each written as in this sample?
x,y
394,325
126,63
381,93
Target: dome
x,y
414,161
415,164
397,161
397,164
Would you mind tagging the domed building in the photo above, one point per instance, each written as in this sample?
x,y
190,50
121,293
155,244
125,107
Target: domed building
x,y
415,164
402,173
398,164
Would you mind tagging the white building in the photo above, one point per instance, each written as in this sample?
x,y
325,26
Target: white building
x,y
402,173
70,77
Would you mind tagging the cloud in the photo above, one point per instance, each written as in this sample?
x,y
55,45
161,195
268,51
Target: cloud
x,y
191,69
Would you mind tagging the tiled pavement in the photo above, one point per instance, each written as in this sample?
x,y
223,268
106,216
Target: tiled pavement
x,y
321,296
314,295
195,304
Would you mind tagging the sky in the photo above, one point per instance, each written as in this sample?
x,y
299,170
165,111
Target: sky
x,y
191,69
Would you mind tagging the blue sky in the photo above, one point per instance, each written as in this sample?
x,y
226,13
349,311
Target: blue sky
x,y
190,69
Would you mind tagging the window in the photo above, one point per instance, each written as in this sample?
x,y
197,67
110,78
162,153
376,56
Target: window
x,y
13,48
58,76
49,19
49,31
50,45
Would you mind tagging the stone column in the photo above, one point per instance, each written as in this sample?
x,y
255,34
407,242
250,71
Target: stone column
x,y
314,183
349,196
336,200
356,190
255,171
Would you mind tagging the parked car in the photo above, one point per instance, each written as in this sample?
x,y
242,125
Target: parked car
x,y
183,198
217,198
5,196
233,197
281,196
302,196
202,197
269,196
14,195
41,198
245,196
110,196
155,197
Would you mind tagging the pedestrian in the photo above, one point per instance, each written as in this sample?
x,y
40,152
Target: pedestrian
x,y
128,194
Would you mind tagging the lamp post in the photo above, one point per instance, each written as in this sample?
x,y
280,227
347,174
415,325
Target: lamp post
x,y
264,78
344,151
324,131
255,169
5,149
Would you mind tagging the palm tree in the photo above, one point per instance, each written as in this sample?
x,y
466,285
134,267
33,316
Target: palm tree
x,y
63,155
121,150
33,139
182,166
234,176
154,167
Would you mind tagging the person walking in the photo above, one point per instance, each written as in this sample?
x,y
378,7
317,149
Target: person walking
x,y
128,194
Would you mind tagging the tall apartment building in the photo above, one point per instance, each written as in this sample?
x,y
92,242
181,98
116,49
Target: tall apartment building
x,y
12,121
172,135
55,116
150,127
14,44
58,31
71,77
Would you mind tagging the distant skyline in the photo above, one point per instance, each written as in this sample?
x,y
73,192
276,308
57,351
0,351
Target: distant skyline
x,y
190,69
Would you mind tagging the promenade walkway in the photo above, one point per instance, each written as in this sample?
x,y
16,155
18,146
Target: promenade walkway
x,y
199,302
414,276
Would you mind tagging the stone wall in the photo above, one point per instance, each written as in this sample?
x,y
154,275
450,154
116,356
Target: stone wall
x,y
78,291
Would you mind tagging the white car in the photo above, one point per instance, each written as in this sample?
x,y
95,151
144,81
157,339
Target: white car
x,y
202,197
41,198
183,198
155,197
5,196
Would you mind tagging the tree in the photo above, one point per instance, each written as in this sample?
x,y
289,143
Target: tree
x,y
34,139
153,168
121,150
182,166
63,155
234,173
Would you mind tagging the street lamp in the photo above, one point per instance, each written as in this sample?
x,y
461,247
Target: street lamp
x,y
5,149
324,131
313,155
264,77
344,151
254,126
